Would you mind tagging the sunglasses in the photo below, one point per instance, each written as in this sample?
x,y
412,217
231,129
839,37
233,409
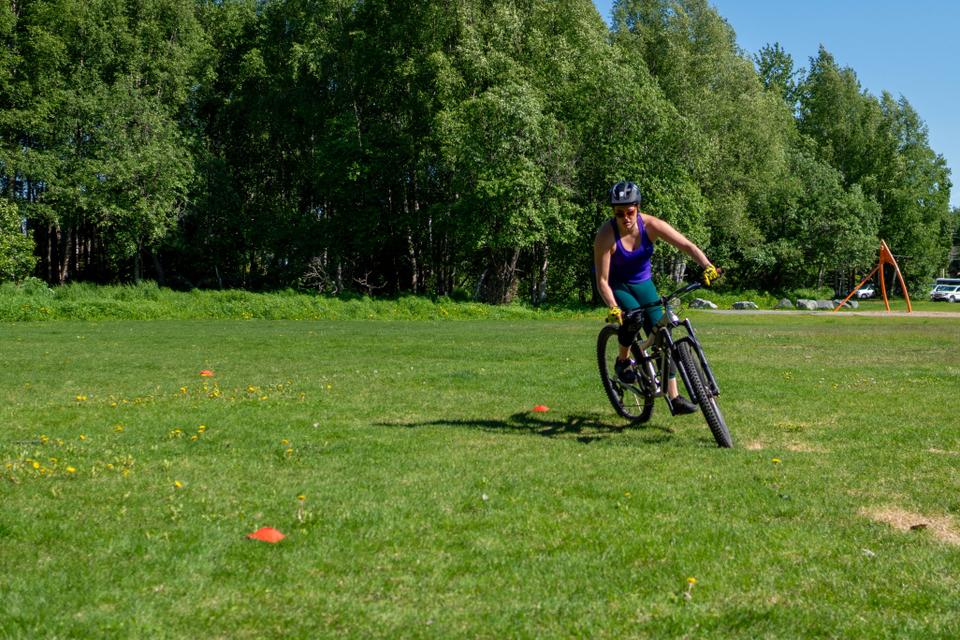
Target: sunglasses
x,y
623,212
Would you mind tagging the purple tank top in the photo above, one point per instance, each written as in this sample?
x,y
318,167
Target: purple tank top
x,y
631,266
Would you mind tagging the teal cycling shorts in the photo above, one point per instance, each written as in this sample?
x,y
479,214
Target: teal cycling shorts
x,y
631,296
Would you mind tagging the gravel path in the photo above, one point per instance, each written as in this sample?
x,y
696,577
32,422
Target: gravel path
x,y
882,314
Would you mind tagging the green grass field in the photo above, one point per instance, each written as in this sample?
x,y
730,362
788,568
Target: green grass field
x,y
421,496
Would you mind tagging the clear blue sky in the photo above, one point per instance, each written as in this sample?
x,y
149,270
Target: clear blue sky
x,y
905,48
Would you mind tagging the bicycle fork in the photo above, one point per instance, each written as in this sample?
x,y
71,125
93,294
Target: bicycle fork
x,y
691,339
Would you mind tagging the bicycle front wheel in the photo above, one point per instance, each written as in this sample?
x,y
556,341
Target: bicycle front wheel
x,y
628,400
708,402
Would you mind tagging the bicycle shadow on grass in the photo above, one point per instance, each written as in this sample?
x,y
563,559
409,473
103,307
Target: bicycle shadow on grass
x,y
584,428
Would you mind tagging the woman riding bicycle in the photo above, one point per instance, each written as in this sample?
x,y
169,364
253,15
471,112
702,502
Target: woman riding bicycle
x,y
622,252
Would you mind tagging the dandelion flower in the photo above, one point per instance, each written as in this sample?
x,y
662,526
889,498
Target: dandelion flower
x,y
118,428
194,438
36,465
691,580
301,497
82,437
177,484
201,428
71,470
183,389
284,442
775,461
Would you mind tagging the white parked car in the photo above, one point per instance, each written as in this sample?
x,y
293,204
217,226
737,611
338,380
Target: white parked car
x,y
866,291
947,292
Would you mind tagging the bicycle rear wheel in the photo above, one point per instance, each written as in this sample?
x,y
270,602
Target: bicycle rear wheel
x,y
708,402
628,400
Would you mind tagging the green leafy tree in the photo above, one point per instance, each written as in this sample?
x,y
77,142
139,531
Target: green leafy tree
x,y
913,189
100,96
776,69
881,145
16,249
736,133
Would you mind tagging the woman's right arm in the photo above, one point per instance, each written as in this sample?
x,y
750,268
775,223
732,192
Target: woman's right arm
x,y
602,249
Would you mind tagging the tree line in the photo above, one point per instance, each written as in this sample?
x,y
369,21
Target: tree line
x,y
439,147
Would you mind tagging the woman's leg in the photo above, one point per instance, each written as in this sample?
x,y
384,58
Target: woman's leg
x,y
645,293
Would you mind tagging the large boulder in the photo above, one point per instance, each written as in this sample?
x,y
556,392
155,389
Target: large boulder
x,y
784,304
825,305
700,303
849,304
807,305
745,305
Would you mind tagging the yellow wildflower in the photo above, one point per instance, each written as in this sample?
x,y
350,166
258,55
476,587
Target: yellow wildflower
x,y
71,470
177,484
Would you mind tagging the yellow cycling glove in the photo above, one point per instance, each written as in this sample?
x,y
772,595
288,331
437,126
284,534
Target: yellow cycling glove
x,y
615,315
710,275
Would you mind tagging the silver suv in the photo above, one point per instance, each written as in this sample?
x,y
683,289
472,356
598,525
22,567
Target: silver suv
x,y
947,292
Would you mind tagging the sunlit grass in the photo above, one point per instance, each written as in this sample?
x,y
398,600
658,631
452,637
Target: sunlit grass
x,y
422,497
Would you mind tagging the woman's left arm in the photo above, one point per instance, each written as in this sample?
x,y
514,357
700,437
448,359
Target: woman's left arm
x,y
659,229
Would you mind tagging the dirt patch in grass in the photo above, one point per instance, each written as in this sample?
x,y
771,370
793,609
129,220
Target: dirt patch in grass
x,y
803,447
941,527
796,447
944,453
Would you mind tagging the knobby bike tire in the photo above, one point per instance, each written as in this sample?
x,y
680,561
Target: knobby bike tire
x,y
626,401
708,402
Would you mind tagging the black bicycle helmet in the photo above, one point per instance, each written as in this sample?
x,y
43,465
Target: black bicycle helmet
x,y
624,193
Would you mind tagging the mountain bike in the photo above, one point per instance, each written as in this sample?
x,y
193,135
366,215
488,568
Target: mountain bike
x,y
671,346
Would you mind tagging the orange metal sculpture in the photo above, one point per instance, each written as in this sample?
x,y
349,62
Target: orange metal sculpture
x,y
886,257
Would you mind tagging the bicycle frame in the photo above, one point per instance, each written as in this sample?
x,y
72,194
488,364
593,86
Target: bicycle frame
x,y
664,349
